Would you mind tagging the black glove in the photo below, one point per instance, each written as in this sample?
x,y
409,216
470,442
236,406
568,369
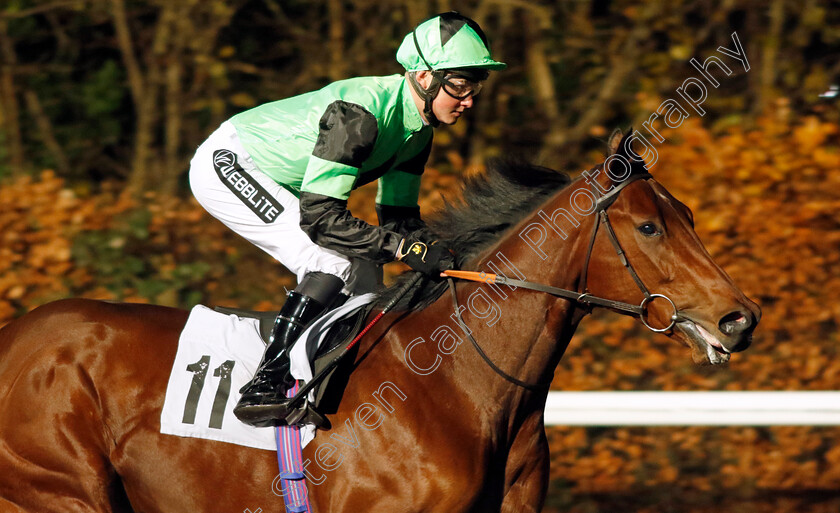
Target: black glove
x,y
427,257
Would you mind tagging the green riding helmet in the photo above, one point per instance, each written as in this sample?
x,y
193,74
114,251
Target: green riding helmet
x,y
446,42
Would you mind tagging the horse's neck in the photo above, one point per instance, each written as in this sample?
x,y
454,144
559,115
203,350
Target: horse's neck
x,y
532,330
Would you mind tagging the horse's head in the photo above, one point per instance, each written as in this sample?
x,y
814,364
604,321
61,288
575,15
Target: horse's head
x,y
656,232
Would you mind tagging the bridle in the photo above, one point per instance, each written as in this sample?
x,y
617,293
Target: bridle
x,y
582,296
601,206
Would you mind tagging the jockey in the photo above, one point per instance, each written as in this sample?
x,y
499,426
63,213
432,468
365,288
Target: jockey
x,y
280,175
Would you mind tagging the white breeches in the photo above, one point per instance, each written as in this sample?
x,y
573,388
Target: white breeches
x,y
227,183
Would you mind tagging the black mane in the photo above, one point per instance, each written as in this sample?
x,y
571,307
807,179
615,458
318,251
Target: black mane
x,y
491,203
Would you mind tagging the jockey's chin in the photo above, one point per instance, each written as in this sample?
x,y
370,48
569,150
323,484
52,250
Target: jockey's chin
x,y
451,118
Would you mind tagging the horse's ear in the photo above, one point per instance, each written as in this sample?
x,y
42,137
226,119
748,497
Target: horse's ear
x,y
624,147
615,140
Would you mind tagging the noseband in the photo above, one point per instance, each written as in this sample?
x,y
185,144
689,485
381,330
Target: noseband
x,y
583,296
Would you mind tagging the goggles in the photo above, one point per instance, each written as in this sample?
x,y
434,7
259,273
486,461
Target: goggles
x,y
459,87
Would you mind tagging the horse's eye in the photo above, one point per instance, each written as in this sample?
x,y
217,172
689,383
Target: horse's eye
x,y
649,229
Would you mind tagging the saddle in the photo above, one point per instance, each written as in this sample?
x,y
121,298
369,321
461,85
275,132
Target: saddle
x,y
329,391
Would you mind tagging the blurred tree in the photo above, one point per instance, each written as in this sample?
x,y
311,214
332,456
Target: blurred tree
x,y
126,89
159,70
9,108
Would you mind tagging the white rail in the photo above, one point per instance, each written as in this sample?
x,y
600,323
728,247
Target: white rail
x,y
693,409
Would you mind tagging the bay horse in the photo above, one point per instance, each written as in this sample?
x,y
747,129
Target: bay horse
x,y
424,423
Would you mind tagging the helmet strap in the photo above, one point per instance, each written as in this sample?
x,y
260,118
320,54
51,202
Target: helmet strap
x,y
433,90
428,94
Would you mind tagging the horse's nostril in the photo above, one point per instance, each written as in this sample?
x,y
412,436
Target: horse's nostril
x,y
735,322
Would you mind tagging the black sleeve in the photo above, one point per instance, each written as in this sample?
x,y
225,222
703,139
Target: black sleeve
x,y
330,225
402,220
347,134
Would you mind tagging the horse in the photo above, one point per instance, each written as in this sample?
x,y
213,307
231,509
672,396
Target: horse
x,y
424,423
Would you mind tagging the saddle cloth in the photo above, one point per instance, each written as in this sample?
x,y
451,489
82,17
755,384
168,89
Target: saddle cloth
x,y
217,354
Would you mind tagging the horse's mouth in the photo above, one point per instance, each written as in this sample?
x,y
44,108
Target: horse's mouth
x,y
705,347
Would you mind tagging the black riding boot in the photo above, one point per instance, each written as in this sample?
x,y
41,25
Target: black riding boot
x,y
263,398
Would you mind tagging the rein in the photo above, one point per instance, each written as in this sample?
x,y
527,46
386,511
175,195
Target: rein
x,y
585,298
482,354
